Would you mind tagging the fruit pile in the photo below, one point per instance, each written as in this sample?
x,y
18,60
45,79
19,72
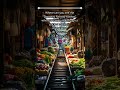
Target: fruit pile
x,y
41,69
45,55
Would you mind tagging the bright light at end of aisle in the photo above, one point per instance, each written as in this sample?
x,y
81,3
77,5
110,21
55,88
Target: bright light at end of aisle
x,y
60,26
50,18
58,22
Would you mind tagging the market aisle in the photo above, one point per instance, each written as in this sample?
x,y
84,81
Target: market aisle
x,y
58,79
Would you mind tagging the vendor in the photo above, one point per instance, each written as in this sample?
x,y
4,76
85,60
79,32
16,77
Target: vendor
x,y
88,54
60,43
28,38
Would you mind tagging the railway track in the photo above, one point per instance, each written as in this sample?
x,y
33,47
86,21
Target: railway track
x,y
59,74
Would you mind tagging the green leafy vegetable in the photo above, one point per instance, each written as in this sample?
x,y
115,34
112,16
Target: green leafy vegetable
x,y
79,72
47,59
80,64
51,49
23,63
46,52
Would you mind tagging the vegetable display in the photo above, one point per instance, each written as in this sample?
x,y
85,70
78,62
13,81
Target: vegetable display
x,y
41,69
67,49
70,56
46,56
46,53
47,59
41,66
23,63
80,63
26,75
79,72
108,83
78,75
51,50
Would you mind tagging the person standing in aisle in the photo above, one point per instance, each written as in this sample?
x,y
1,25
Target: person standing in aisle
x,y
88,54
28,38
60,43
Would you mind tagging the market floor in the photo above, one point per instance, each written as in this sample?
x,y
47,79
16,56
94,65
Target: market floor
x,y
58,79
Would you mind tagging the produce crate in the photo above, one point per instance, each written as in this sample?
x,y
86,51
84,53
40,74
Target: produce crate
x,y
75,68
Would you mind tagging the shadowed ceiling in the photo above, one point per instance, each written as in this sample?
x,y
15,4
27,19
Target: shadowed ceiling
x,y
60,3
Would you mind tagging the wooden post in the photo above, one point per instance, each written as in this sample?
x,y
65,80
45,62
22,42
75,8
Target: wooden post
x,y
76,38
99,27
1,43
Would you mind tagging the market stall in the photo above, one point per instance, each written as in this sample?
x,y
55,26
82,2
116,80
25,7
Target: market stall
x,y
43,66
77,68
19,71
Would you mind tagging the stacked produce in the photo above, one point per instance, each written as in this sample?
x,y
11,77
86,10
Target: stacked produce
x,y
67,49
78,75
48,54
23,69
26,74
55,47
79,72
70,56
43,54
37,50
41,69
45,58
39,55
77,66
80,63
108,83
51,50
23,63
